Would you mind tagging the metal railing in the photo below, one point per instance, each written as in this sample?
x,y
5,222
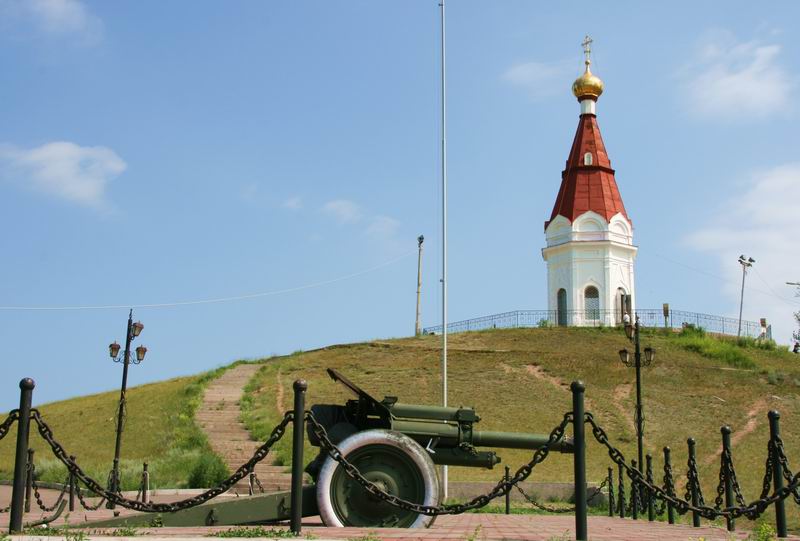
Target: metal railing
x,y
648,317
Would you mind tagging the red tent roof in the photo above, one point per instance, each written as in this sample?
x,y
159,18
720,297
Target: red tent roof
x,y
588,187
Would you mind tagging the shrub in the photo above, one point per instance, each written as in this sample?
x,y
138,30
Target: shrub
x,y
208,472
695,339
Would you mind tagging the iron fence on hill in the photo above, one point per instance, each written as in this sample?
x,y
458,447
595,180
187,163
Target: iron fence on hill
x,y
648,317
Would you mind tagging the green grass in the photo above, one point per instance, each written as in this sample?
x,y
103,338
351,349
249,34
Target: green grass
x,y
159,429
517,379
732,352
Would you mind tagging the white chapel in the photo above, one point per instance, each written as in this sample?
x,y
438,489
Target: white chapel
x,y
590,250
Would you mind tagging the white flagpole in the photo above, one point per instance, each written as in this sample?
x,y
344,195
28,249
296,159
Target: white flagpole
x,y
444,237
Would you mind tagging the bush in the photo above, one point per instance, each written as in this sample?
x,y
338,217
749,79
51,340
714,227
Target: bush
x,y
695,339
208,472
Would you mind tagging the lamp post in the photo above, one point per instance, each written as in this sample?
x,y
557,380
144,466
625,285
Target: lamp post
x,y
417,324
133,330
632,331
745,262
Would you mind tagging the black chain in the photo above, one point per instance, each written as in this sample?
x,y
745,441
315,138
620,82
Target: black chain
x,y
40,502
82,500
693,481
784,462
47,434
5,426
751,510
501,489
550,509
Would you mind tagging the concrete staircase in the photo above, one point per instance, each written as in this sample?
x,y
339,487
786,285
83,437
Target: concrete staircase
x,y
218,416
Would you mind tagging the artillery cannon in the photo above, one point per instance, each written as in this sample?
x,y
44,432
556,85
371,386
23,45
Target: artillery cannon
x,y
394,445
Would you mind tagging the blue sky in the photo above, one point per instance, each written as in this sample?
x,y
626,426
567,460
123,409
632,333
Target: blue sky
x,y
156,152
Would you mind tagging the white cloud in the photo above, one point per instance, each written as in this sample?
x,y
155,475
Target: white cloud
x,y
57,17
540,79
382,227
761,222
343,211
293,203
735,80
63,169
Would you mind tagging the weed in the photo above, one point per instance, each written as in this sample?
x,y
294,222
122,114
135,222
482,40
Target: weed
x,y
763,532
563,537
474,535
774,377
696,340
254,531
371,536
124,531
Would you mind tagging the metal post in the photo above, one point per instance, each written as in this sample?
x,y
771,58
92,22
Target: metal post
x,y
651,511
741,301
693,485
508,494
72,490
121,413
634,494
777,473
726,469
23,430
621,492
298,439
668,471
145,484
610,492
578,434
29,481
639,408
251,481
444,230
418,324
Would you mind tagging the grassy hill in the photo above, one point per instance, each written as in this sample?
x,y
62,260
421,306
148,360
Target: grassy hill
x,y
518,381
159,429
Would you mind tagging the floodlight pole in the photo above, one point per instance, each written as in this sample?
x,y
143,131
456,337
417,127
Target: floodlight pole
x,y
444,231
744,262
417,324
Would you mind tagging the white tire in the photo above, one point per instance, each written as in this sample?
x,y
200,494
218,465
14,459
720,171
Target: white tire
x,y
394,462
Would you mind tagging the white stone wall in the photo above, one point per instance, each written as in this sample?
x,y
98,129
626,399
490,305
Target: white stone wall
x,y
590,252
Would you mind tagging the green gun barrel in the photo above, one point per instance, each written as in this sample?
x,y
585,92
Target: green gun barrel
x,y
517,440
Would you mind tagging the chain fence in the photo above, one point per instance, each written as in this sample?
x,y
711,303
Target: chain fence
x,y
750,510
114,498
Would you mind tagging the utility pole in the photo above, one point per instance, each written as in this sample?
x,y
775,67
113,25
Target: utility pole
x,y
745,262
418,324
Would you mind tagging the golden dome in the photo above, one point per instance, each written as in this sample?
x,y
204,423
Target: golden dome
x,y
587,85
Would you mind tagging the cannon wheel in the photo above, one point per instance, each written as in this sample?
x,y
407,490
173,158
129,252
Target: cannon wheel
x,y
391,460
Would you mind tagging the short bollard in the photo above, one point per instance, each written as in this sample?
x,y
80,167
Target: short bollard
x,y
777,473
693,484
508,493
578,435
145,484
730,523
621,491
251,482
23,430
669,483
298,439
72,488
29,481
610,492
634,494
651,510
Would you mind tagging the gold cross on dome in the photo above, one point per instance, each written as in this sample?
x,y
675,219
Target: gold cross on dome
x,y
587,48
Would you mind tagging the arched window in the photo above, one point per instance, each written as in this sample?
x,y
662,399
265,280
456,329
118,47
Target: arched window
x,y
592,303
561,298
587,158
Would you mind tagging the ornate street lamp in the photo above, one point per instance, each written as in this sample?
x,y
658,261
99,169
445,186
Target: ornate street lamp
x,y
133,330
632,331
